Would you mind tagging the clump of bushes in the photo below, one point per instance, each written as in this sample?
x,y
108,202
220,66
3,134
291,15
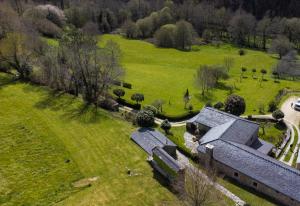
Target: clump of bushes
x,y
151,108
166,126
145,118
219,105
235,105
278,115
242,52
272,106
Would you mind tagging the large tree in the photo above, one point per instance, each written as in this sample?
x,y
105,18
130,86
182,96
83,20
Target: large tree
x,y
184,35
280,46
241,27
235,105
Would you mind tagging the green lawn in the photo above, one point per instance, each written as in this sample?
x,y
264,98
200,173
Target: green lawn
x,y
250,196
167,73
273,133
42,130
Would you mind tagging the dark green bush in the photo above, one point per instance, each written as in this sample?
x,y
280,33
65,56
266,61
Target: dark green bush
x,y
145,118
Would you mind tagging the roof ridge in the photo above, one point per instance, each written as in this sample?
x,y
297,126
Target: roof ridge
x,y
230,115
232,121
279,165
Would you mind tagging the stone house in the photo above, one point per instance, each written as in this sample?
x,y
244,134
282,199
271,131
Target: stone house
x,y
232,147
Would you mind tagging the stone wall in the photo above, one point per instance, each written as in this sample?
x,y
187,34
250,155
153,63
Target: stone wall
x,y
247,181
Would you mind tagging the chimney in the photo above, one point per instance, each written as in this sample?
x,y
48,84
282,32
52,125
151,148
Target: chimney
x,y
209,154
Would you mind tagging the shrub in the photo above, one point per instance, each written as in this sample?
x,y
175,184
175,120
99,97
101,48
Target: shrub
x,y
190,107
166,126
109,104
119,93
164,37
127,85
208,104
137,97
145,118
278,114
272,106
219,105
235,105
242,52
151,108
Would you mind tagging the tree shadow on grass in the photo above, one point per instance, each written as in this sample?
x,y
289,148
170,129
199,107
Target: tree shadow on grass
x,y
223,86
84,113
71,107
207,97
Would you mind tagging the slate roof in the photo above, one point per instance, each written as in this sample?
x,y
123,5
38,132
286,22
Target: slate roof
x,y
260,167
262,146
241,131
148,139
211,117
166,158
225,126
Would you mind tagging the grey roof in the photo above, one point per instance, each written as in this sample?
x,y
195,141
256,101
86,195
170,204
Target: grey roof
x,y
240,131
148,139
211,117
215,132
262,146
166,158
260,167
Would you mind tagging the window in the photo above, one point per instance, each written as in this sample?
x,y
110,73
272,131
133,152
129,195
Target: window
x,y
255,184
236,174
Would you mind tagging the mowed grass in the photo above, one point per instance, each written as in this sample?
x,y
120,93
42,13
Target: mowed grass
x,y
41,130
166,74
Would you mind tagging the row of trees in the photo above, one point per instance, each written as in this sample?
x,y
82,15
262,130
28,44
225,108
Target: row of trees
x,y
76,65
157,18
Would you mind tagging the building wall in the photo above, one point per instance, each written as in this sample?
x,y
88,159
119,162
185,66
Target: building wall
x,y
246,180
253,138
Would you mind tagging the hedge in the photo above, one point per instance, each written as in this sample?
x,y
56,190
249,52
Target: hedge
x,y
129,104
179,117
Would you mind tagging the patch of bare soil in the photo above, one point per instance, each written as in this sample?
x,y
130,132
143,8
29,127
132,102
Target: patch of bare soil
x,y
85,182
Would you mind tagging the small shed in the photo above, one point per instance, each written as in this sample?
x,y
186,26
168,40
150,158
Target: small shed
x,y
148,139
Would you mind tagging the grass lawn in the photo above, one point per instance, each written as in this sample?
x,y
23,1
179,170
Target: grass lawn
x,y
167,73
273,133
41,130
250,196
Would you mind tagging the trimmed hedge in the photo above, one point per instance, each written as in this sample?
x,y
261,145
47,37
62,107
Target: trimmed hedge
x,y
179,117
129,104
125,84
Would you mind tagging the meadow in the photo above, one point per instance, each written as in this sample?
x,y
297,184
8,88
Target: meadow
x,y
50,140
166,74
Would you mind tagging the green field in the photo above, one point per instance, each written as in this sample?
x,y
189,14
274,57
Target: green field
x,y
167,73
273,133
50,140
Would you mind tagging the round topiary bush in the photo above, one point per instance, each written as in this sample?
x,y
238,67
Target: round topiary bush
x,y
145,118
278,114
235,105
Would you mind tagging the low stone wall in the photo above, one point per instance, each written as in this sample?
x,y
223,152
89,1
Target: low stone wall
x,y
283,144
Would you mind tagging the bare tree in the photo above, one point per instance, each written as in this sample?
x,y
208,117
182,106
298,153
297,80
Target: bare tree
x,y
197,188
228,63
